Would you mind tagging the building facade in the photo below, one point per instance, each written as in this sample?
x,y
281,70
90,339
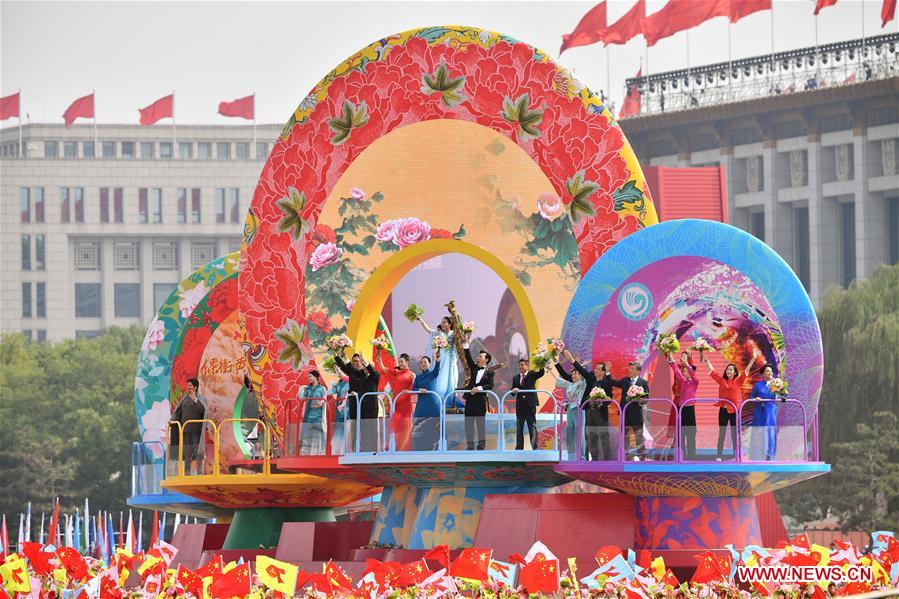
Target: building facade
x,y
99,226
810,169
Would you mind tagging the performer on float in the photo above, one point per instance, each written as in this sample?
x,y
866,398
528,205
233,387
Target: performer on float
x,y
596,417
686,384
426,417
476,400
312,435
400,379
337,393
764,418
448,376
252,409
363,379
730,388
190,408
525,403
575,387
633,389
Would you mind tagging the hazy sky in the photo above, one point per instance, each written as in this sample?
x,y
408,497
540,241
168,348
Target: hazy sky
x,y
132,53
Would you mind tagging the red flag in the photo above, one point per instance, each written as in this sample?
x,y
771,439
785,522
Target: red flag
x,y
628,26
887,14
473,564
337,577
154,532
233,583
632,101
709,570
211,568
71,560
190,580
411,573
9,106
819,4
54,522
83,107
37,557
4,539
540,576
440,554
606,554
801,541
241,107
589,29
679,15
741,8
163,108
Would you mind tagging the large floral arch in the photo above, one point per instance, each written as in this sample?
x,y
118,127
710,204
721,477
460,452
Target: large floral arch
x,y
450,73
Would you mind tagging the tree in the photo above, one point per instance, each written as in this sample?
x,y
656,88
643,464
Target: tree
x,y
67,421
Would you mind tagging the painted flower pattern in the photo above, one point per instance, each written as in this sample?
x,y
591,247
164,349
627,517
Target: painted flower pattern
x,y
410,231
549,205
154,422
155,335
325,255
190,298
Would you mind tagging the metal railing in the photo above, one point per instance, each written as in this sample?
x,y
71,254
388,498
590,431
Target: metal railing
x,y
186,455
147,472
685,431
814,67
332,431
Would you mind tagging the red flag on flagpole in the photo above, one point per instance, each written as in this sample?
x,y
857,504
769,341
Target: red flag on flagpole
x,y
628,26
679,15
887,13
154,531
83,107
742,8
819,4
54,522
9,106
632,101
163,108
241,107
589,29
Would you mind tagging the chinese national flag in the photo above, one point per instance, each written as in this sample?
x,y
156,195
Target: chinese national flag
x,y
819,4
589,29
83,107
801,541
190,580
213,567
473,564
71,560
741,8
39,559
709,570
412,573
628,26
276,575
632,102
234,583
606,554
9,106
540,576
241,107
337,577
679,15
163,108
440,554
887,14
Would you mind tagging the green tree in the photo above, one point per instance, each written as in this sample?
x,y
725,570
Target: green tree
x,y
67,421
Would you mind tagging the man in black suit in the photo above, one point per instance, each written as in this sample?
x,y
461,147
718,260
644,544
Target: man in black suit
x,y
363,379
476,400
525,403
633,411
596,419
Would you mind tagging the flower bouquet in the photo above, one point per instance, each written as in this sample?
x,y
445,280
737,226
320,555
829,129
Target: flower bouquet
x,y
381,342
597,397
330,365
701,345
439,342
668,344
778,386
468,327
338,343
541,356
413,312
636,393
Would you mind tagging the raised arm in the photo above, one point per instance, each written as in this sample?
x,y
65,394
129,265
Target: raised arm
x,y
425,326
676,370
751,362
562,373
468,358
343,366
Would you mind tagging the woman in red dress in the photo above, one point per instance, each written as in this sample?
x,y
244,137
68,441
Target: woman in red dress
x,y
730,388
400,379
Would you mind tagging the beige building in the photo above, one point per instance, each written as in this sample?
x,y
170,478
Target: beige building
x,y
98,227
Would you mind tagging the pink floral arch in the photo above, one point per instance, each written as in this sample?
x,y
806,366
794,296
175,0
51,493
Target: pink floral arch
x,y
457,73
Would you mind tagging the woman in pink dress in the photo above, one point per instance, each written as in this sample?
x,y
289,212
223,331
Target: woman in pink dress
x,y
685,375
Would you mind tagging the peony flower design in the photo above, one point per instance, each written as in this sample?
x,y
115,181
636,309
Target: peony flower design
x,y
357,194
550,206
155,335
325,254
410,231
387,230
191,298
154,422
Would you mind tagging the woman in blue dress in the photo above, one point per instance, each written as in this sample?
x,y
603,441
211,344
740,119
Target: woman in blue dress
x,y
764,417
448,373
312,435
338,391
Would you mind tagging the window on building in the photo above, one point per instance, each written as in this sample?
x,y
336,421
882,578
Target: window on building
x,y
51,149
234,204
26,300
156,205
219,205
195,205
78,192
65,205
142,205
233,246
104,204
261,150
27,334
41,335
202,253
185,150
165,149
38,204
87,255
108,149
25,204
204,150
128,149
146,150
893,230
26,252
119,204
40,252
87,300
165,255
126,255
757,224
801,248
40,300
161,292
847,243
127,300
242,150
88,149
223,150
182,204
87,334
70,149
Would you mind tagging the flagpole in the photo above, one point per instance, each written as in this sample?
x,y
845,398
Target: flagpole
x,y
173,123
21,152
96,137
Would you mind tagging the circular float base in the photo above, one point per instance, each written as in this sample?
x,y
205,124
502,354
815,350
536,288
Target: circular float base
x,y
254,527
